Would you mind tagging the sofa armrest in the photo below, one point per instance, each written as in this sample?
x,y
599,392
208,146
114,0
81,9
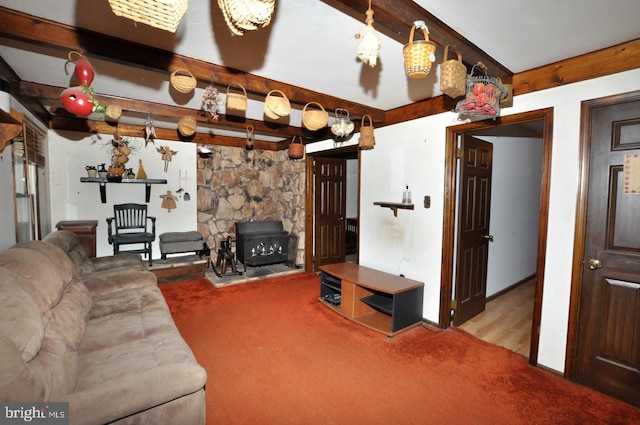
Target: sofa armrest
x,y
135,392
118,261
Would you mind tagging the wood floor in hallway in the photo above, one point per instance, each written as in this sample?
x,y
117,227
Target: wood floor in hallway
x,y
507,319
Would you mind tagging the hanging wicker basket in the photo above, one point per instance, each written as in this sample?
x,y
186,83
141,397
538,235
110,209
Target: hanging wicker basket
x,y
367,140
418,55
483,95
276,106
114,112
453,75
246,15
236,101
296,148
187,125
314,119
162,14
183,81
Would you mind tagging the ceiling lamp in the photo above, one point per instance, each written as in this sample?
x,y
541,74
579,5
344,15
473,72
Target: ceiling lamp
x,y
162,14
369,41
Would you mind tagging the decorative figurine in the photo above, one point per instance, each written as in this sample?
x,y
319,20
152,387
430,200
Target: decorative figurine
x,y
149,131
168,201
167,154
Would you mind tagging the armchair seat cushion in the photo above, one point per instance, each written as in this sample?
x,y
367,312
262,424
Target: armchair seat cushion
x,y
133,237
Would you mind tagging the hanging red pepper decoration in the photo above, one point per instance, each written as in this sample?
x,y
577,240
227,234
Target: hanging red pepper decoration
x,y
84,71
76,101
80,100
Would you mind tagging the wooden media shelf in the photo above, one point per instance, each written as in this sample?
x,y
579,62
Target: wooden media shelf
x,y
380,301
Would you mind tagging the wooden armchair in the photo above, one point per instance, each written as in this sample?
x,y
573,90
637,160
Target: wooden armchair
x,y
130,225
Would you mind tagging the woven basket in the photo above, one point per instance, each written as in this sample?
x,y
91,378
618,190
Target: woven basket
x,y
162,14
183,81
187,125
114,112
314,119
367,140
276,106
296,149
236,101
483,96
418,55
453,75
246,15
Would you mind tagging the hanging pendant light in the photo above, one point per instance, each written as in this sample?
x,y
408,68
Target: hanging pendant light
x,y
369,41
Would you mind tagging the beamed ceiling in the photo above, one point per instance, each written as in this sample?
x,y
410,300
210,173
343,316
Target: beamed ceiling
x,y
307,52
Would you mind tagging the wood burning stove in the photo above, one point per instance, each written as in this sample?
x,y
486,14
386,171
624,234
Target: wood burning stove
x,y
260,243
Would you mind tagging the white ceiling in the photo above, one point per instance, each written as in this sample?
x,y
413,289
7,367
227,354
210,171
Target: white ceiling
x,y
311,45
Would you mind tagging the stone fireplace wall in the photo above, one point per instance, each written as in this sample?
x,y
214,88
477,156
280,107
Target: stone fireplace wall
x,y
235,184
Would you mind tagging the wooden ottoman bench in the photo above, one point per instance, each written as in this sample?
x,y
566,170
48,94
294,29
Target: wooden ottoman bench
x,y
178,242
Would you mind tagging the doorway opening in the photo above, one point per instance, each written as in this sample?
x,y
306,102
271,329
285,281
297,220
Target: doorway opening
x,y
343,246
535,125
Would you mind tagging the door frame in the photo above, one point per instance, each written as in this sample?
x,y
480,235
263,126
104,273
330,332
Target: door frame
x,y
348,152
586,108
449,222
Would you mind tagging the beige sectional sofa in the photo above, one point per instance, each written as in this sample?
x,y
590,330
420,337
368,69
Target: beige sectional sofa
x,y
96,333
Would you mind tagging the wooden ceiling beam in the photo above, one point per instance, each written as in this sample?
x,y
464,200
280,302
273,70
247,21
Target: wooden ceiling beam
x,y
394,18
41,32
129,130
50,95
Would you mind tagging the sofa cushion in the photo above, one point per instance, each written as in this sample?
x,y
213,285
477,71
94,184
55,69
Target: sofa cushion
x,y
38,276
18,381
21,321
65,267
68,242
118,281
64,303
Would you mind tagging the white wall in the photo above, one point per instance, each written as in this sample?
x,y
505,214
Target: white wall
x,y
411,244
515,210
70,152
352,188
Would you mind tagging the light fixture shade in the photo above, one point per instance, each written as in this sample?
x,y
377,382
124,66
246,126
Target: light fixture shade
x,y
162,14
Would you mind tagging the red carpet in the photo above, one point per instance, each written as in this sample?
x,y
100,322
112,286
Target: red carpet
x,y
275,355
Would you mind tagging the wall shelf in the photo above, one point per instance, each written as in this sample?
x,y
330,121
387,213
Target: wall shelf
x,y
103,185
395,206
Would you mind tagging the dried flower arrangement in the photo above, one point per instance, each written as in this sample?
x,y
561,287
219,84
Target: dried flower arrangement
x,y
119,150
210,102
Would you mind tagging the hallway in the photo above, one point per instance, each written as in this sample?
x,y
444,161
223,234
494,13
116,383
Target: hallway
x,y
507,319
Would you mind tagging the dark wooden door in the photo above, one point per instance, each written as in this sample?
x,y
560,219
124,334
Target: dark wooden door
x,y
330,204
473,229
608,339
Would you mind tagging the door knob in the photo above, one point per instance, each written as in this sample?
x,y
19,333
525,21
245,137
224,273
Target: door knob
x,y
488,237
594,264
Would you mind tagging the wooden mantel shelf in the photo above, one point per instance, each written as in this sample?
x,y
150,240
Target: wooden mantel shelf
x,y
103,185
395,206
